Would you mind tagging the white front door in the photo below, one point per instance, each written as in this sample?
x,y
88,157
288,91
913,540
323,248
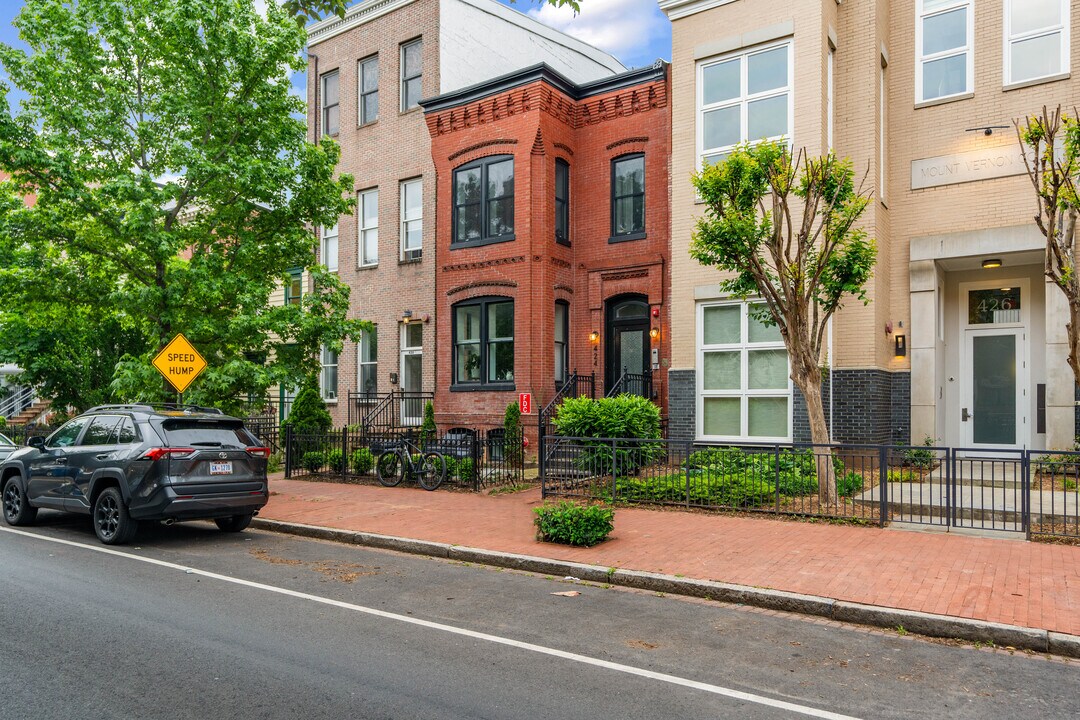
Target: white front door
x,y
994,400
412,373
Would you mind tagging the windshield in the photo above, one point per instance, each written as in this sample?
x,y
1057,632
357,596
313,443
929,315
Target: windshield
x,y
207,433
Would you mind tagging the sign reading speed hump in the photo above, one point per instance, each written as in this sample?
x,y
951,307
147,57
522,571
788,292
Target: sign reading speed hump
x,y
179,362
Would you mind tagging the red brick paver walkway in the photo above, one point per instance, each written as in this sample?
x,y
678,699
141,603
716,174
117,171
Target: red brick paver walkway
x,y
1021,583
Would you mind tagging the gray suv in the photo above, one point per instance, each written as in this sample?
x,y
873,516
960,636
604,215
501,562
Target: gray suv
x,y
122,464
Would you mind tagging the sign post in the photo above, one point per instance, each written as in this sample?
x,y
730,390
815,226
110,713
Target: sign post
x,y
525,403
180,363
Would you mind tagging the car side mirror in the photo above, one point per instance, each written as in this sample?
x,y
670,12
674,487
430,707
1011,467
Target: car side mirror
x,y
36,442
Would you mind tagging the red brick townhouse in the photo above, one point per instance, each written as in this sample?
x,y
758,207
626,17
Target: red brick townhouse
x,y
552,227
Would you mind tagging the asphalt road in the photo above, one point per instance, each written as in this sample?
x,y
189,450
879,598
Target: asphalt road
x,y
188,622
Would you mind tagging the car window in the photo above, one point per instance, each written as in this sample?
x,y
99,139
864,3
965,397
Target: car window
x,y
124,433
68,434
5,440
207,433
100,430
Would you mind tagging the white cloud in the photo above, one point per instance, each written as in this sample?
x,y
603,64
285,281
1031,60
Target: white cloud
x,y
635,31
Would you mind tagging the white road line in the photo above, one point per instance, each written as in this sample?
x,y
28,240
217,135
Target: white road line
x,y
584,659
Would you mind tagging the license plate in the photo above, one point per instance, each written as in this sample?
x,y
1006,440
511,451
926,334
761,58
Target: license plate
x,y
221,468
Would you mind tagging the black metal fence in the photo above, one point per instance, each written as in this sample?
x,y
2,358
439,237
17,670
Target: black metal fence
x,y
1030,492
474,459
20,433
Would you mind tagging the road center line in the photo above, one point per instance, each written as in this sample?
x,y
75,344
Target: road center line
x,y
574,657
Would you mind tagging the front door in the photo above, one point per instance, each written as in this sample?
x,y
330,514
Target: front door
x,y
994,398
627,345
412,374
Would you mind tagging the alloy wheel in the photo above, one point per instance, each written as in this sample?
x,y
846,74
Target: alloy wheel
x,y
107,516
12,501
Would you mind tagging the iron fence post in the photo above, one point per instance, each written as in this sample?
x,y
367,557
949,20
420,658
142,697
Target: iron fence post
x,y
950,489
288,451
344,452
474,453
776,484
686,469
883,484
1025,493
541,461
614,484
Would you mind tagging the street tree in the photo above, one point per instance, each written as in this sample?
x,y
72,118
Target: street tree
x,y
1050,144
783,229
176,189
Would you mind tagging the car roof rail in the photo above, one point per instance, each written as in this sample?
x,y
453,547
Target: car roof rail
x,y
120,406
151,407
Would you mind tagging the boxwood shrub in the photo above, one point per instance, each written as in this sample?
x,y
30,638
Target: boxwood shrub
x,y
572,524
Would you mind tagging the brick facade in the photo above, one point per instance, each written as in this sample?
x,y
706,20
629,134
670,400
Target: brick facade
x,y
537,117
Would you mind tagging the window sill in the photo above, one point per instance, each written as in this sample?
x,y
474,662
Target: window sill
x,y
369,266
1035,81
562,241
944,100
482,242
410,262
330,401
367,124
410,111
480,387
628,237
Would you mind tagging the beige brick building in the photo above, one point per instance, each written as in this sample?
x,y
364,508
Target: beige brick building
x,y
367,74
964,341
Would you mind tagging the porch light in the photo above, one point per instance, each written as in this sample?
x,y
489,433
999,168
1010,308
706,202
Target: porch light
x,y
654,333
594,337
991,263
406,316
901,346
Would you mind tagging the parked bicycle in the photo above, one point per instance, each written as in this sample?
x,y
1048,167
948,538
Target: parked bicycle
x,y
406,458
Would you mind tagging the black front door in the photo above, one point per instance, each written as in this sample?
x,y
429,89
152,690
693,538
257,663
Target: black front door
x,y
627,344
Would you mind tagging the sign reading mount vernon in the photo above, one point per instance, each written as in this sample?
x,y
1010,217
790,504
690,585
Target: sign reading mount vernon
x,y
179,362
993,162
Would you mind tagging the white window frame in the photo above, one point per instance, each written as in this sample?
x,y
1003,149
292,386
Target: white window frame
x,y
744,98
329,233
367,230
1009,40
324,389
830,80
365,342
744,392
968,50
402,79
324,118
411,254
361,96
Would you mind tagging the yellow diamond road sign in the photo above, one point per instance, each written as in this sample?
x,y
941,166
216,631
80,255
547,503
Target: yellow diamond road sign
x,y
179,362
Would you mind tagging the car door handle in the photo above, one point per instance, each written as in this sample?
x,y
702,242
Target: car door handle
x,y
61,461
103,456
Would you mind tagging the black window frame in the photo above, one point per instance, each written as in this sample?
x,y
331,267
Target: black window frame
x,y
562,204
294,275
324,109
361,110
483,384
404,80
485,220
633,234
564,341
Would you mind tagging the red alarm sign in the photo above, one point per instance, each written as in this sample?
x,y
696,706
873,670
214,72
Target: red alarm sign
x,y
525,403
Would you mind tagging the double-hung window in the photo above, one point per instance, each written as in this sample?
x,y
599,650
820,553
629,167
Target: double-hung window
x,y
562,202
330,100
484,342
1036,39
367,361
744,387
368,84
943,40
743,98
412,220
484,201
294,288
369,227
328,379
562,342
330,247
412,67
628,197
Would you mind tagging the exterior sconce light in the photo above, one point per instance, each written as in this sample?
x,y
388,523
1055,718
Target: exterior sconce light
x,y
991,263
406,316
594,337
901,346
987,129
654,333
393,378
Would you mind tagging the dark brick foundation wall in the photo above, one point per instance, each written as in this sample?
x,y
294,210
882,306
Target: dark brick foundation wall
x,y
872,406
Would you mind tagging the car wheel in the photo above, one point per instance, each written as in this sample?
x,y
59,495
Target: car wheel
x,y
17,509
112,524
235,523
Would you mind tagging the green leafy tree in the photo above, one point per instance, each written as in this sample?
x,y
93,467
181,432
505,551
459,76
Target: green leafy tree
x,y
783,228
308,413
513,452
175,187
1050,143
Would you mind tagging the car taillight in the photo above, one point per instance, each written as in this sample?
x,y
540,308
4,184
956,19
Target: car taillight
x,y
262,452
160,452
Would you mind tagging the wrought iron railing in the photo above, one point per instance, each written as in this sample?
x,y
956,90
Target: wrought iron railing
x,y
396,409
633,384
360,403
577,385
19,398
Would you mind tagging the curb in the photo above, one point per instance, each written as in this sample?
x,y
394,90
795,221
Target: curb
x,y
941,626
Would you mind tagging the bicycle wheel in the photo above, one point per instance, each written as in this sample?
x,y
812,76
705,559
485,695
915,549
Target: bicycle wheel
x,y
389,468
432,471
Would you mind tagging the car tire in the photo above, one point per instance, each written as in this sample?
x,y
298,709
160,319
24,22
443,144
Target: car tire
x,y
17,509
112,523
233,523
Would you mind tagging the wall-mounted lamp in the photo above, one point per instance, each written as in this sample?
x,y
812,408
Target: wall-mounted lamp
x,y
987,129
594,337
654,333
406,316
991,263
901,346
393,378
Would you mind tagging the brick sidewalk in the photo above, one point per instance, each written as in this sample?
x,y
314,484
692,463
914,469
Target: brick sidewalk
x,y
1019,583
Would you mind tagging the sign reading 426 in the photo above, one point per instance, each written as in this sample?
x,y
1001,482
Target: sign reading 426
x,y
179,362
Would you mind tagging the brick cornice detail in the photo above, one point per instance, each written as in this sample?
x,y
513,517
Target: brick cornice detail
x,y
559,262
564,288
625,274
478,146
627,141
480,284
480,264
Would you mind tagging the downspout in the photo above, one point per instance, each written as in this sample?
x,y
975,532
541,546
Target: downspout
x,y
318,112
832,363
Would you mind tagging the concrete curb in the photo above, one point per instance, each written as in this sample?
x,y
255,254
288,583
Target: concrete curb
x,y
943,626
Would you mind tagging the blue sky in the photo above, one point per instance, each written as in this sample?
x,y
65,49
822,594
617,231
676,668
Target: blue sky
x,y
634,31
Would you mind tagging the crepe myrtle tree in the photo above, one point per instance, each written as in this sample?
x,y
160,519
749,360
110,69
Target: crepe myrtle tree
x,y
783,228
1050,144
170,164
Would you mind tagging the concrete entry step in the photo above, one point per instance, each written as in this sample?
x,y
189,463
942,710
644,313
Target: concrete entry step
x,y
933,525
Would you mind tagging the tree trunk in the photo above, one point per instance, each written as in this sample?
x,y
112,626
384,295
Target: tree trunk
x,y
807,377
